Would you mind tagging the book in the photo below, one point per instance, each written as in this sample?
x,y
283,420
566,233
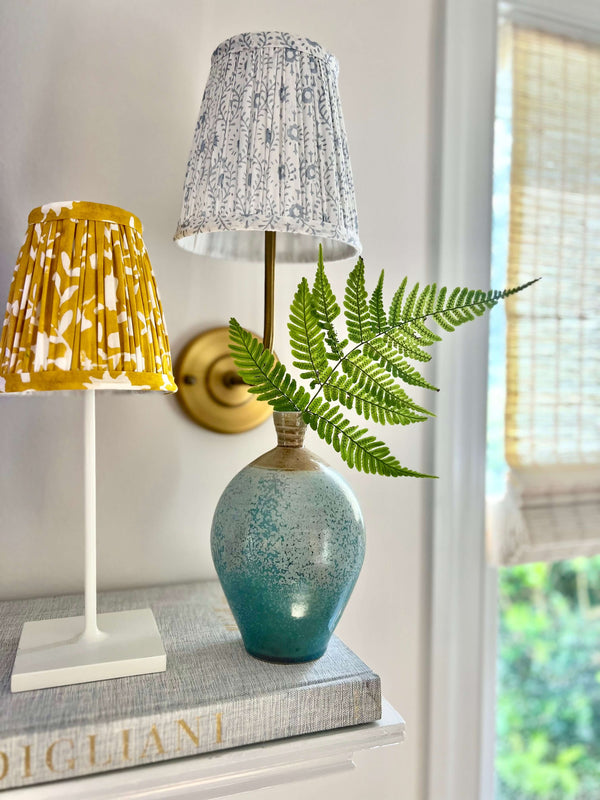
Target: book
x,y
212,696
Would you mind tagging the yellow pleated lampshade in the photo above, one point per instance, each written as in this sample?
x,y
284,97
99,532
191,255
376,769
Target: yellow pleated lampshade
x,y
83,309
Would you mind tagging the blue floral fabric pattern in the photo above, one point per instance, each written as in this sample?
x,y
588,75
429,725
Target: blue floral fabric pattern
x,y
270,153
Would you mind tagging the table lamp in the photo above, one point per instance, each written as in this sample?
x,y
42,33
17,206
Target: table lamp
x,y
269,159
83,313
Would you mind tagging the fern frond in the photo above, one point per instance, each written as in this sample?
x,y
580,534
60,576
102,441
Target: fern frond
x,y
355,305
356,446
266,377
378,318
343,389
306,337
366,378
327,310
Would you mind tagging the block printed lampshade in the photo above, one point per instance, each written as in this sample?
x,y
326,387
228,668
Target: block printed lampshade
x,y
83,313
269,157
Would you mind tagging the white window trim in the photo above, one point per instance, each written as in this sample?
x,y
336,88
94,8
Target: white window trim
x,y
461,722
461,585
579,19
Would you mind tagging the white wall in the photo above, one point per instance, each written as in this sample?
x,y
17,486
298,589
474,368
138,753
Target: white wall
x,y
99,102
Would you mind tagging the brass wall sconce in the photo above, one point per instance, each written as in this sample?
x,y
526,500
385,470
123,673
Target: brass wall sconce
x,y
210,389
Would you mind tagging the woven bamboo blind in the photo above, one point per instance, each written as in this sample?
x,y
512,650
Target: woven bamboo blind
x,y
552,508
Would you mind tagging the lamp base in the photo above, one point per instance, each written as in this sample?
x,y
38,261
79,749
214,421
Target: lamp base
x,y
52,653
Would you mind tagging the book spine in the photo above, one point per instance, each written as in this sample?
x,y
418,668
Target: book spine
x,y
43,756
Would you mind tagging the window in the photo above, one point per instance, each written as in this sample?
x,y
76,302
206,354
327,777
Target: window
x,y
547,220
461,754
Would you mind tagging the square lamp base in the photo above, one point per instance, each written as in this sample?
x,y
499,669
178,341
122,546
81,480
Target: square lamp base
x,y
51,652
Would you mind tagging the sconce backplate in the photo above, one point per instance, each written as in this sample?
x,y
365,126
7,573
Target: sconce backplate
x,y
203,374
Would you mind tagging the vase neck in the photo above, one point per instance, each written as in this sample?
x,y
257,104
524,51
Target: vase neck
x,y
290,428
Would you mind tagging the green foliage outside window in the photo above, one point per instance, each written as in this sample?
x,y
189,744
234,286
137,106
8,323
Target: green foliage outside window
x,y
548,715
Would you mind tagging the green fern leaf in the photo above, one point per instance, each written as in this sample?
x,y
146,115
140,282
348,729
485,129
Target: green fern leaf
x,y
266,377
327,310
463,304
409,303
408,343
441,298
306,337
395,315
378,318
355,305
407,321
427,299
370,376
356,446
389,357
342,388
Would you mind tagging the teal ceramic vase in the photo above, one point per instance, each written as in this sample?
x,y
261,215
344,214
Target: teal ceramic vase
x,y
288,542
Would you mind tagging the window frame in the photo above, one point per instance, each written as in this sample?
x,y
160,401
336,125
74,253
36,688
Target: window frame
x,y
463,610
461,641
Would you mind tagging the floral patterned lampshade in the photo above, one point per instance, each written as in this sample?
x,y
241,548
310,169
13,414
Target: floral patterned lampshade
x,y
270,154
83,310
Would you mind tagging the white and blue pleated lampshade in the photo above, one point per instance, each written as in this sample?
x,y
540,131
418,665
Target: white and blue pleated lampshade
x,y
270,154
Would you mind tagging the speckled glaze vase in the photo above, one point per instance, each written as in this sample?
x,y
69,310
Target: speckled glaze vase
x,y
288,542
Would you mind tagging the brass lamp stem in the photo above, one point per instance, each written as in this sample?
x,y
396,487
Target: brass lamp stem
x,y
232,378
270,248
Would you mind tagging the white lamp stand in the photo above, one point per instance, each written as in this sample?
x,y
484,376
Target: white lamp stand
x,y
57,652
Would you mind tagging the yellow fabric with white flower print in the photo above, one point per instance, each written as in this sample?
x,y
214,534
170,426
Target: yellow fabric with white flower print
x,y
83,310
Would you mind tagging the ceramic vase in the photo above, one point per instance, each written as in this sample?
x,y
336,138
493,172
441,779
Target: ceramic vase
x,y
288,542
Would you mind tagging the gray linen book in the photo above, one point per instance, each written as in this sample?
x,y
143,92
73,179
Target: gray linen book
x,y
212,696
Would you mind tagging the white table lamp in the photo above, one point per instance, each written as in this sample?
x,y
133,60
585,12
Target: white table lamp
x,y
83,313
